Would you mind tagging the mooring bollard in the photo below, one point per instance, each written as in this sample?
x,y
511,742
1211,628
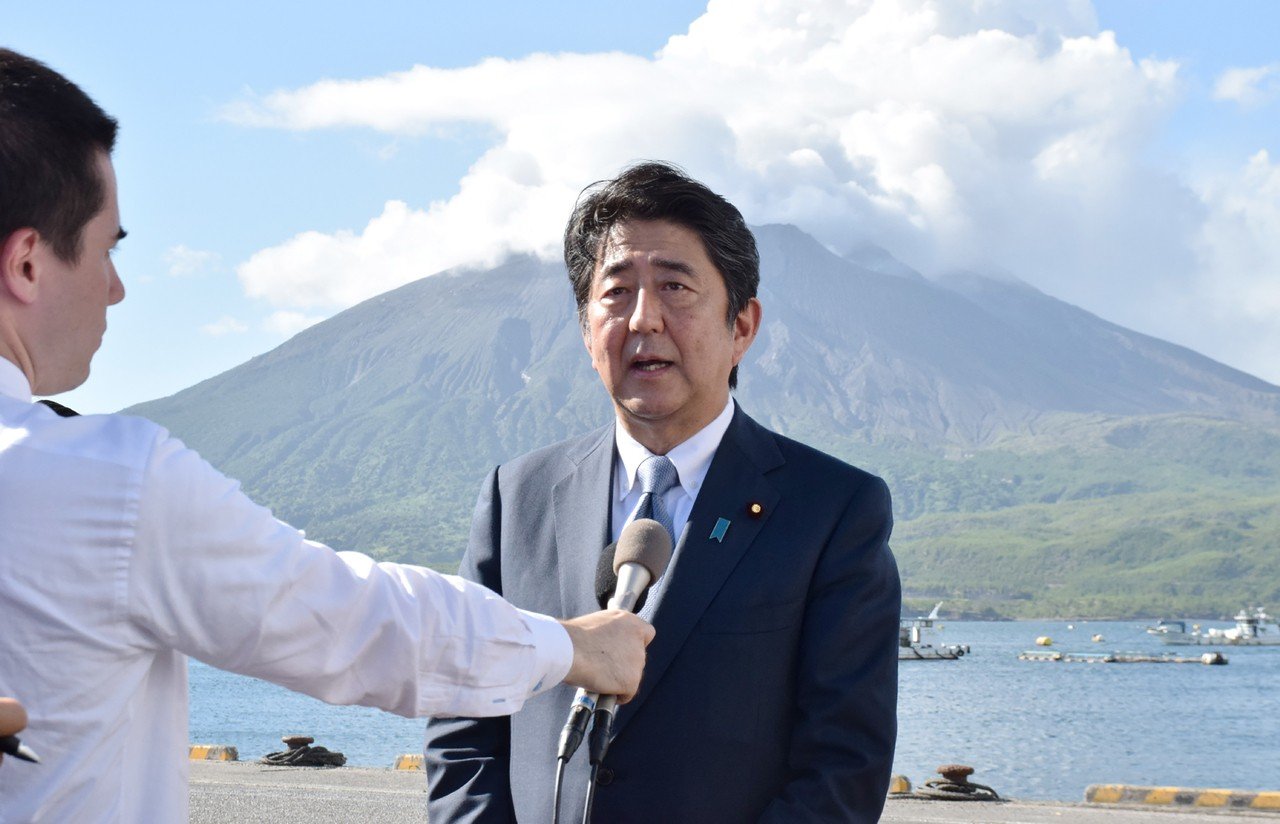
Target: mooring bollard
x,y
302,754
954,785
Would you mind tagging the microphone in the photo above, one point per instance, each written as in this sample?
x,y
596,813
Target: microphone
x,y
644,550
606,578
638,559
584,703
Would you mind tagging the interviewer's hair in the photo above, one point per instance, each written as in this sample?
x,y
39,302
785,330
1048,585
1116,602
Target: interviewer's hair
x,y
660,191
50,133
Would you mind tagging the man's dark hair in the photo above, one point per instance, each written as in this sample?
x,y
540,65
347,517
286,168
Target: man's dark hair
x,y
50,134
660,191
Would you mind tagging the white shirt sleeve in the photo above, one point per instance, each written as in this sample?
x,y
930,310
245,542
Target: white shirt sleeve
x,y
215,576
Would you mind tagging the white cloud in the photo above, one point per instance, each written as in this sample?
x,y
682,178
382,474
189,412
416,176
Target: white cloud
x,y
1249,86
288,323
988,134
185,262
1240,249
225,325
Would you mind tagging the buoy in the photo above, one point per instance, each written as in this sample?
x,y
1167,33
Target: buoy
x,y
1213,658
1044,641
1097,638
1071,626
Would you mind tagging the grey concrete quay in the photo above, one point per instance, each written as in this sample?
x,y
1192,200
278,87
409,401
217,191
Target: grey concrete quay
x,y
238,791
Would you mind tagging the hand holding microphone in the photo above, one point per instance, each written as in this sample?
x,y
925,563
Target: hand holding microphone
x,y
639,558
608,652
608,647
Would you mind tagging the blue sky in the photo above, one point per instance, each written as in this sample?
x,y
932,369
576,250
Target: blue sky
x,y
258,198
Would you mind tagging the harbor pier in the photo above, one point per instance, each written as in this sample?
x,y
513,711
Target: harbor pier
x,y
230,791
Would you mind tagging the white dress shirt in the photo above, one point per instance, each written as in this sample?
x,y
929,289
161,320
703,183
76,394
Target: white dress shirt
x,y
692,459
122,552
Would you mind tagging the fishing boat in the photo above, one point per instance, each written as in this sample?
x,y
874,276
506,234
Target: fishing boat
x,y
1252,629
913,647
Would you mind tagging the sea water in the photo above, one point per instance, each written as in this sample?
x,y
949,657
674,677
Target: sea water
x,y
1031,730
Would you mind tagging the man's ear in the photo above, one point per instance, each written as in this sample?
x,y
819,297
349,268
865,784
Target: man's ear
x,y
19,260
745,327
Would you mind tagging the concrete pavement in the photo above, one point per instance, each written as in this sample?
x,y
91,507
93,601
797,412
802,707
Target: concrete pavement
x,y
228,792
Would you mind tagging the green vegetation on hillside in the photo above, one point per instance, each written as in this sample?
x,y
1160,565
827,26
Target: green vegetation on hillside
x,y
1099,517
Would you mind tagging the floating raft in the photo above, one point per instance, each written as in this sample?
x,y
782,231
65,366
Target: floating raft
x,y
1211,658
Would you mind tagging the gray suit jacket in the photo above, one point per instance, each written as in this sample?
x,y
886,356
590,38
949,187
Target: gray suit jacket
x,y
770,690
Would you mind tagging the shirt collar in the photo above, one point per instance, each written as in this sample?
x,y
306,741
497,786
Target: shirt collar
x,y
692,458
13,382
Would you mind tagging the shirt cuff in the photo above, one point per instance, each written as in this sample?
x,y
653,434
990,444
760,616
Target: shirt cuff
x,y
553,649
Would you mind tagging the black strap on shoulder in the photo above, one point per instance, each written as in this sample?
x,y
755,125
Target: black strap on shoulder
x,y
62,411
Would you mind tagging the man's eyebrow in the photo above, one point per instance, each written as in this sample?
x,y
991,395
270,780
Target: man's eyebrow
x,y
619,265
615,266
674,266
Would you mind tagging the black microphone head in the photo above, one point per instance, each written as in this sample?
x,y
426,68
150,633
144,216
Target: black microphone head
x,y
606,578
646,542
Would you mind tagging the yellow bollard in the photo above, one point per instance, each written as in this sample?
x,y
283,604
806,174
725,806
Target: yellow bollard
x,y
212,752
409,761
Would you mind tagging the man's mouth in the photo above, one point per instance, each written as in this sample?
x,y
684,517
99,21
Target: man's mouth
x,y
649,364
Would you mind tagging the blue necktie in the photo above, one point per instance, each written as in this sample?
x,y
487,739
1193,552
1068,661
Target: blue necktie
x,y
657,475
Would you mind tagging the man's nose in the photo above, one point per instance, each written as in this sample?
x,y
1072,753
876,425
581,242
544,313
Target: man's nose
x,y
115,292
646,317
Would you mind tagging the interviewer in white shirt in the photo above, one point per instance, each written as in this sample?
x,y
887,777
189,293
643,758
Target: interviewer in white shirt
x,y
122,552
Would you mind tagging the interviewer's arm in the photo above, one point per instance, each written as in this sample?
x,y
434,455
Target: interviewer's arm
x,y
217,577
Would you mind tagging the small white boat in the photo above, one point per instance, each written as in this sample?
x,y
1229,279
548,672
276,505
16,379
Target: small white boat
x,y
913,647
1252,629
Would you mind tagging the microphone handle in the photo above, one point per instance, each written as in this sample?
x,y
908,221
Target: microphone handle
x,y
608,703
633,580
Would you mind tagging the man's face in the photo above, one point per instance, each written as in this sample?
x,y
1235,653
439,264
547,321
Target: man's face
x,y
75,298
657,332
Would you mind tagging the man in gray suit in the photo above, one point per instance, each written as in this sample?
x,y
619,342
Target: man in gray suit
x,y
770,691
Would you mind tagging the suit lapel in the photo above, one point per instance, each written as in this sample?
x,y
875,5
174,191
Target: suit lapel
x,y
735,480
582,507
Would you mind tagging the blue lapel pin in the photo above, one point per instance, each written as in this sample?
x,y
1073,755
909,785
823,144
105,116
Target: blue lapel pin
x,y
718,532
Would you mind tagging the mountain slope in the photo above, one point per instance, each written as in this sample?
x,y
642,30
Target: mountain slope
x,y
972,395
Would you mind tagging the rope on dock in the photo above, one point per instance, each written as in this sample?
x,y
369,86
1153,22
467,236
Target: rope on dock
x,y
954,785
302,754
